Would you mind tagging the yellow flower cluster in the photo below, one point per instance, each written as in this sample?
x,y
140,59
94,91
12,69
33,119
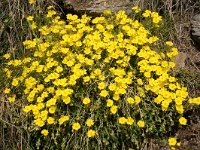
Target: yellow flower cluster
x,y
195,101
156,19
123,120
91,133
86,64
167,89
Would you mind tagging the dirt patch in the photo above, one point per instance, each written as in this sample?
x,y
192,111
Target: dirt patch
x,y
190,135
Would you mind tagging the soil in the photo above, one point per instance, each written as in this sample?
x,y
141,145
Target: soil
x,y
190,135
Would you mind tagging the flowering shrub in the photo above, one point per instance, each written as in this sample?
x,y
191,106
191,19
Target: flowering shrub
x,y
101,81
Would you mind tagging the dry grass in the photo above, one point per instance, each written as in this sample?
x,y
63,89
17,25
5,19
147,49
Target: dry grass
x,y
13,31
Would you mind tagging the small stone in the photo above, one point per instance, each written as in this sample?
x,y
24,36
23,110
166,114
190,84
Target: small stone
x,y
180,60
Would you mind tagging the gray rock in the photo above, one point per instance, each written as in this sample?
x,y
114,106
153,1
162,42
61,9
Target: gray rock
x,y
98,6
195,29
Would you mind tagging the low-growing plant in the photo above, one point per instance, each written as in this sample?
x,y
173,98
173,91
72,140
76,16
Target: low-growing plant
x,y
97,83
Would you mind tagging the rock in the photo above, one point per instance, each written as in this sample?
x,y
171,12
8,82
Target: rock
x,y
195,29
98,6
180,60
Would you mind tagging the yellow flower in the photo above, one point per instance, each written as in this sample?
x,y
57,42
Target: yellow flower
x,y
136,9
141,124
107,12
156,18
179,100
7,90
89,122
112,86
66,100
172,141
15,82
76,126
49,7
40,106
178,144
27,109
173,148
33,25
6,56
97,72
169,43
139,81
101,85
147,74
12,98
122,120
30,18
130,121
147,13
51,102
172,86
104,93
50,120
44,132
116,97
137,100
51,13
63,119
183,121
130,100
180,109
86,101
165,105
32,2
114,109
172,64
194,101
39,122
86,79
172,79
52,109
59,69
109,103
43,114
91,133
